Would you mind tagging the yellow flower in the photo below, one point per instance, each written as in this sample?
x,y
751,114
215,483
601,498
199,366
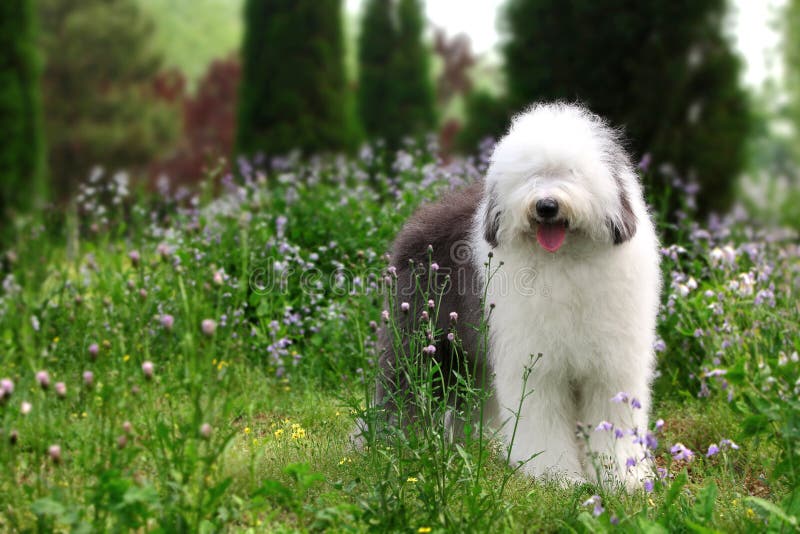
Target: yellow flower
x,y
255,442
424,530
345,460
750,513
413,480
214,361
83,414
279,433
247,430
56,339
298,432
126,357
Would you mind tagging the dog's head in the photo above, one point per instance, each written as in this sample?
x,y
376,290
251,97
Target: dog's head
x,y
560,172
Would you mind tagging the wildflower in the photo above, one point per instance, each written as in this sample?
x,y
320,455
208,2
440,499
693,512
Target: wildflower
x,y
659,345
597,502
55,453
728,443
635,404
404,307
430,350
93,350
412,480
659,424
385,316
134,257
648,485
127,427
35,323
453,317
209,326
147,369
423,530
630,462
298,432
61,389
25,408
218,278
620,397
247,430
43,378
373,326
424,316
6,388
278,433
122,441
431,304
604,425
451,337
712,450
167,321
680,452
206,430
434,267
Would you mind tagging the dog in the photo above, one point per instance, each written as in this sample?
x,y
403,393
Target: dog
x,y
556,251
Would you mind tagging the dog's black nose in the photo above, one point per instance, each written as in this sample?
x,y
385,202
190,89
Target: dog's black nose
x,y
547,208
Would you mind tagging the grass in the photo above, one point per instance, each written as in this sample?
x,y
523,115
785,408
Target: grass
x,y
254,311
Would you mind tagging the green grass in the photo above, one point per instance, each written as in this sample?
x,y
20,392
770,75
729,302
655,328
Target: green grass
x,y
288,367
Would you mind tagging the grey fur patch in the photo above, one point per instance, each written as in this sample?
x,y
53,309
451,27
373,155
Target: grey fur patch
x,y
491,223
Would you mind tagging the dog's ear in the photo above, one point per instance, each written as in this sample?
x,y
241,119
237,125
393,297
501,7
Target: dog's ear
x,y
623,227
491,219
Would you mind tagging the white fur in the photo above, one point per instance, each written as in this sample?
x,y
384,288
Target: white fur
x,y
589,308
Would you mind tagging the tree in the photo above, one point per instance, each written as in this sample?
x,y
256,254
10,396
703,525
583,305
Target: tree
x,y
99,107
293,93
661,68
396,97
21,143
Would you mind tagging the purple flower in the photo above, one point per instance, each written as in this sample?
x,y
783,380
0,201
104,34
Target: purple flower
x,y
650,441
135,257
659,345
729,443
618,433
680,452
451,337
603,426
167,321
620,397
431,304
659,424
385,316
404,307
649,485
453,316
712,450
88,378
127,427
61,389
597,502
206,430
430,349
645,162
147,369
424,316
635,404
434,267
94,348
630,462
43,378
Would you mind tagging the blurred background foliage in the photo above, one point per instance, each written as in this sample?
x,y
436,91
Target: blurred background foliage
x,y
170,90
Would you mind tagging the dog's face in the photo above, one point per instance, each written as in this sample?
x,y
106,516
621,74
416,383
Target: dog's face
x,y
560,173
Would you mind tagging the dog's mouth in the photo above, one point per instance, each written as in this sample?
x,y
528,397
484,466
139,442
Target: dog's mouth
x,y
551,235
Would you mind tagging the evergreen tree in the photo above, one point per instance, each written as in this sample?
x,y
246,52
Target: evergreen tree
x,y
99,107
21,144
395,91
293,93
660,68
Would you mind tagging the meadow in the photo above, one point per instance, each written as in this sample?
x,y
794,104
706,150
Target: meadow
x,y
196,360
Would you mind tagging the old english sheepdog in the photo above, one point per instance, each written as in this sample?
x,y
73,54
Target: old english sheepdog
x,y
562,216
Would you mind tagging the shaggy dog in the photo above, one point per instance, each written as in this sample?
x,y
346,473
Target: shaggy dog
x,y
562,216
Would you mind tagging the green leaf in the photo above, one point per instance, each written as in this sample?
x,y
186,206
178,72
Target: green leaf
x,y
47,506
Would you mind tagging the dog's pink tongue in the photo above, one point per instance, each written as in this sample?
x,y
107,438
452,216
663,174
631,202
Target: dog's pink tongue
x,y
551,236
